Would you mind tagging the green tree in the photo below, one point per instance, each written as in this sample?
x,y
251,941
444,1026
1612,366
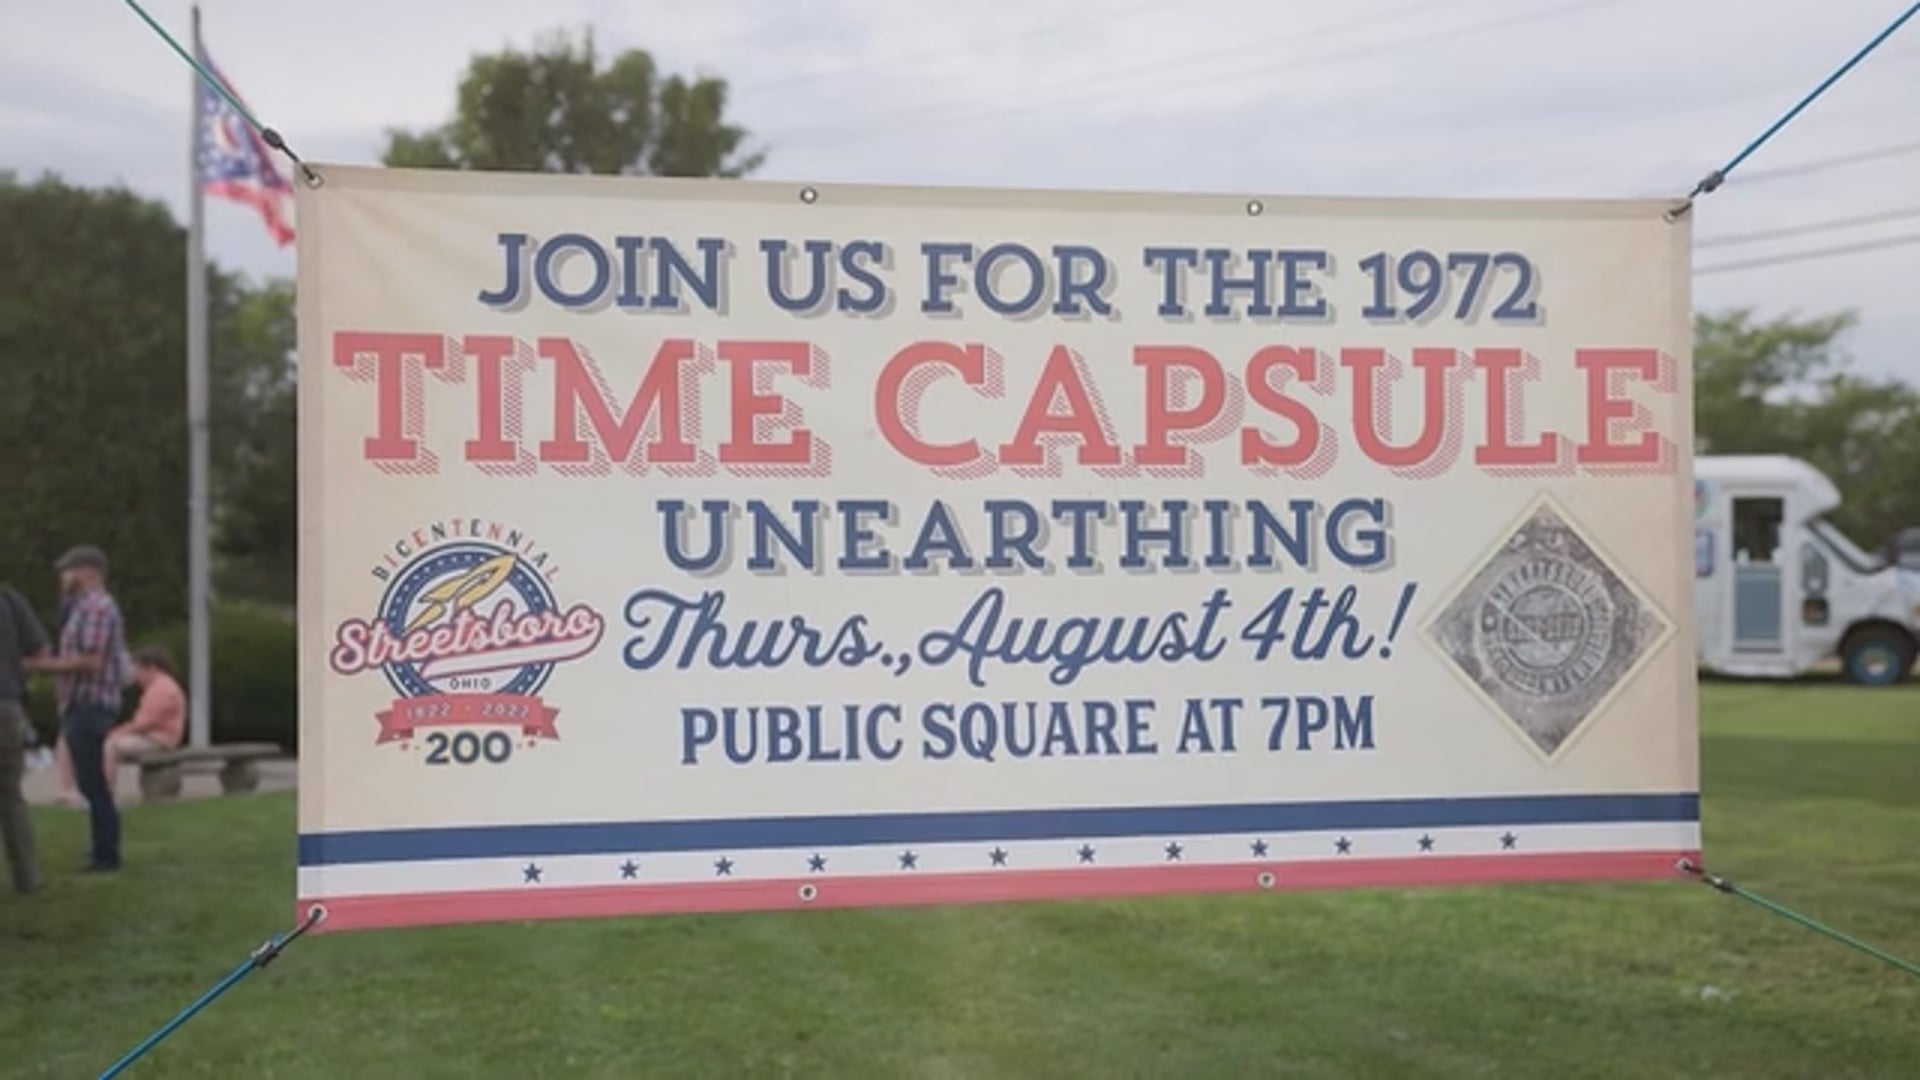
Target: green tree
x,y
1784,386
556,109
252,419
92,376
93,394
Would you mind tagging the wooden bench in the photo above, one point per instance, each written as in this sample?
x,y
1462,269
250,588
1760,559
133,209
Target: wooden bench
x,y
162,771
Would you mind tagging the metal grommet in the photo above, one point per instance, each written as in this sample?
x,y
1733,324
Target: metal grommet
x,y
317,914
1266,879
312,176
1686,866
809,195
808,894
1255,207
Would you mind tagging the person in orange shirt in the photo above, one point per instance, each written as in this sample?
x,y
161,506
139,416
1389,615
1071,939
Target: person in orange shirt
x,y
160,721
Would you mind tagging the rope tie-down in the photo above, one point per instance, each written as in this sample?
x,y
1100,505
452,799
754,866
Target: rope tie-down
x,y
1721,884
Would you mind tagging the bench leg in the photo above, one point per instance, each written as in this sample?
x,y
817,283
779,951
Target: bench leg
x,y
239,776
160,782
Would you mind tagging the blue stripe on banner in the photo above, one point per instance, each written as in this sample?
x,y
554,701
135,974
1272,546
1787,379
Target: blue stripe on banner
x,y
733,834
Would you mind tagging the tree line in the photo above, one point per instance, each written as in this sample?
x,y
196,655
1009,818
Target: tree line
x,y
93,333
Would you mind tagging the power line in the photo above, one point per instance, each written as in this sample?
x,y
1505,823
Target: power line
x,y
912,59
1712,181
1817,165
1268,66
1504,146
1811,254
1812,227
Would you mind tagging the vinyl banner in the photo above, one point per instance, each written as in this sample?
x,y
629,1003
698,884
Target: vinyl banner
x,y
719,545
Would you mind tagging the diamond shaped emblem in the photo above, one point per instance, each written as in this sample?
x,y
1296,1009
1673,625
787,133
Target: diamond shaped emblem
x,y
1547,629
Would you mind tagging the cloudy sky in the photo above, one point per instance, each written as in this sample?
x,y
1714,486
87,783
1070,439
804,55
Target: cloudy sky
x,y
1461,98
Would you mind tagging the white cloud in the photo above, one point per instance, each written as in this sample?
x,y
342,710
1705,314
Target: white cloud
x,y
1468,98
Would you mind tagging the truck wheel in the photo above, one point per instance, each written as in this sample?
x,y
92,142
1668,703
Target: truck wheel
x,y
1877,656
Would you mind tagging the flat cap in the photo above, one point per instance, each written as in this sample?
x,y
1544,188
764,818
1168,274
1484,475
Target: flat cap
x,y
82,555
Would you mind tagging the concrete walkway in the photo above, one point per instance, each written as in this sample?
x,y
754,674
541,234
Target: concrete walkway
x,y
42,788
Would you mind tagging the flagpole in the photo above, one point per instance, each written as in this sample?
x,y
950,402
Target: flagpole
x,y
199,600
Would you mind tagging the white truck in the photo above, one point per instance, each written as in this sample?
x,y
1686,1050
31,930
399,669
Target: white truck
x,y
1778,589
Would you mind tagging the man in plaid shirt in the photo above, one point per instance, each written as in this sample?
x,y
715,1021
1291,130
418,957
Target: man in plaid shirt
x,y
91,670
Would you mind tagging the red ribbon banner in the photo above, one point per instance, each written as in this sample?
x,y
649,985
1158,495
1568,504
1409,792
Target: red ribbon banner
x,y
533,717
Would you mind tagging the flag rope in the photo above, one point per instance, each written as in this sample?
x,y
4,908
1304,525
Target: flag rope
x,y
1712,181
1723,885
267,134
261,957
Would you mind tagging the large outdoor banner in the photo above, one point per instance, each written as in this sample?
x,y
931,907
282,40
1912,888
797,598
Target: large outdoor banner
x,y
718,545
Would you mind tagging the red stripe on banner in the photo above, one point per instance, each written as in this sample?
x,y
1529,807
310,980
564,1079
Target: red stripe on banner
x,y
910,889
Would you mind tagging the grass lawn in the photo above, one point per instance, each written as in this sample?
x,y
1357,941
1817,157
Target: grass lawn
x,y
1812,798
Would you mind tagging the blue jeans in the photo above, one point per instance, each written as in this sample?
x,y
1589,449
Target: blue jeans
x,y
86,728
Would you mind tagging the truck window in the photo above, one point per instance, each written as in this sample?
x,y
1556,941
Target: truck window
x,y
1846,550
1756,529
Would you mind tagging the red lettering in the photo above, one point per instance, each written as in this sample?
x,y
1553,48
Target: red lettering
x,y
657,406
896,395
1603,407
751,404
1161,362
1255,448
1372,410
1505,419
400,397
1063,377
501,364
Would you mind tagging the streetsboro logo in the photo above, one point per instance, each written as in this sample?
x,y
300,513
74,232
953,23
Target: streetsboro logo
x,y
467,634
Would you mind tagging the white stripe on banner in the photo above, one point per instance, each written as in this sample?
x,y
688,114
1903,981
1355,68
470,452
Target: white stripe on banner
x,y
702,868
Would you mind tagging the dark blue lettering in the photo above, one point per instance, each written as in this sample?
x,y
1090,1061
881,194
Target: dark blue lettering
x,y
513,247
767,525
552,251
858,534
1220,284
939,278
1138,534
716,511
1005,540
855,260
938,535
1298,299
1073,290
816,271
1172,282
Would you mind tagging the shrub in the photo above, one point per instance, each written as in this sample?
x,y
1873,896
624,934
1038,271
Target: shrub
x,y
256,687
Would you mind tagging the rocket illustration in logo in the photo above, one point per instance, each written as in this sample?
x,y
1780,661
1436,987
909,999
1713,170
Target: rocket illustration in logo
x,y
467,634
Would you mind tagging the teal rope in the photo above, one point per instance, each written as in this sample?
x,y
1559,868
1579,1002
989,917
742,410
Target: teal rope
x,y
261,957
199,68
1728,887
268,135
1714,179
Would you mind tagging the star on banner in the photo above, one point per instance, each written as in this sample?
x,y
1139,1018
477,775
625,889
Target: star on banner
x,y
1343,846
1507,841
530,875
629,870
1086,853
723,867
909,861
1426,843
816,863
999,856
1173,850
1259,849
